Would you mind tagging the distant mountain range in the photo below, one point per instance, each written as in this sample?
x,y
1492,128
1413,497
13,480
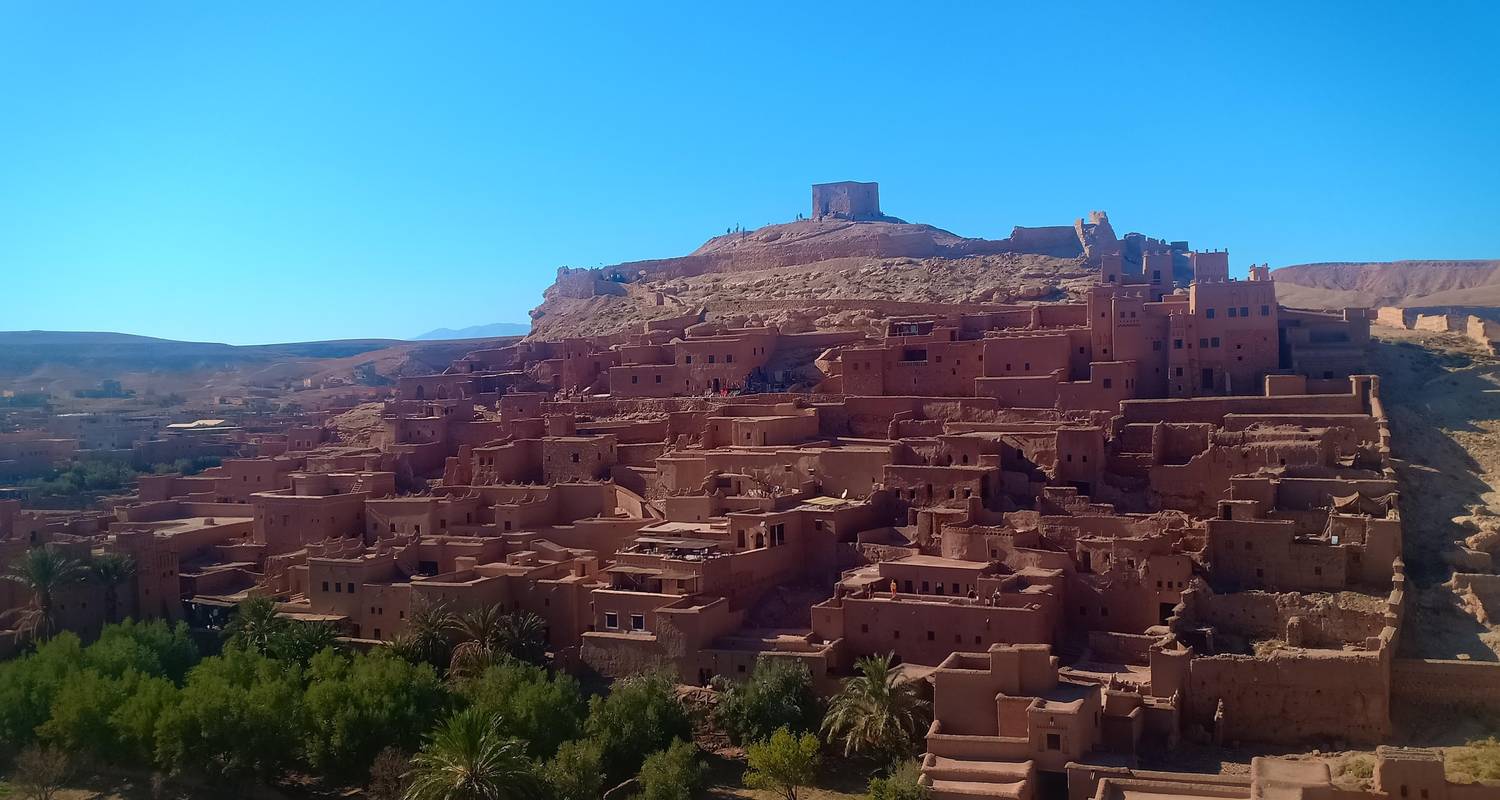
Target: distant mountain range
x,y
490,331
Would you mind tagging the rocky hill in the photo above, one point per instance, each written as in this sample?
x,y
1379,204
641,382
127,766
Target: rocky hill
x,y
1389,283
824,273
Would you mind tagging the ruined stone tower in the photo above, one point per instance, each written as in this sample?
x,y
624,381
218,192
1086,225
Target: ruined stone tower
x,y
846,200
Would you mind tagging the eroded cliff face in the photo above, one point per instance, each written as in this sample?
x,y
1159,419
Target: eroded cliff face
x,y
1389,283
806,272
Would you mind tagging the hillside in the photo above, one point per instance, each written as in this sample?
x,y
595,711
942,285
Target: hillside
x,y
490,331
828,273
1389,283
61,362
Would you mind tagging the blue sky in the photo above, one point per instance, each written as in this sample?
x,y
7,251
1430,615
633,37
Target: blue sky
x,y
259,172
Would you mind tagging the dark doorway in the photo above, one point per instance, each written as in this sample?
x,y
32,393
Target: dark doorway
x,y
1165,611
1208,379
1051,785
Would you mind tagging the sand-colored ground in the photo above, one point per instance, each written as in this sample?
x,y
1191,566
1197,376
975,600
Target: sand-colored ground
x,y
1442,395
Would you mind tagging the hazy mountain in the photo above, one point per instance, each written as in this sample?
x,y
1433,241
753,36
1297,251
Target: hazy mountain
x,y
489,331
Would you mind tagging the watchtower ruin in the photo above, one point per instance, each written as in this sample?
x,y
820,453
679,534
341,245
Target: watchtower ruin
x,y
851,200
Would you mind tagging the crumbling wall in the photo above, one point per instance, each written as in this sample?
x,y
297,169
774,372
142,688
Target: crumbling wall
x,y
1469,685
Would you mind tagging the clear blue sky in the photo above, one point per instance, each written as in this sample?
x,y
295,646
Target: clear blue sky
x,y
258,172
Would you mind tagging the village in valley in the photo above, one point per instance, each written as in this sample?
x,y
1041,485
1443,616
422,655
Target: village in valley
x,y
1132,527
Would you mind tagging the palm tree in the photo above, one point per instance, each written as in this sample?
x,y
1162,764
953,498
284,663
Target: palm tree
x,y
255,625
524,636
468,759
44,571
426,638
300,641
479,632
111,570
876,713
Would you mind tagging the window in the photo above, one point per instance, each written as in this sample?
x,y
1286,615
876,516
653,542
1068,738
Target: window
x,y
611,620
1203,343
1176,344
931,636
1054,741
658,379
325,586
635,379
729,358
1156,345
689,360
1244,311
1214,342
637,622
1108,382
1265,311
864,628
1233,312
575,458
1208,313
338,588
710,359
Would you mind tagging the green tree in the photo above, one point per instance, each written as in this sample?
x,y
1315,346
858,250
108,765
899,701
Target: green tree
x,y
478,632
146,700
902,784
875,713
671,774
236,718
778,694
641,715
255,626
28,685
151,648
111,571
576,772
468,759
79,722
44,571
523,635
426,638
543,711
299,642
358,706
783,763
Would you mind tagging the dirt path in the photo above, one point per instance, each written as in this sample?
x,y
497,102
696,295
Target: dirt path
x,y
1442,395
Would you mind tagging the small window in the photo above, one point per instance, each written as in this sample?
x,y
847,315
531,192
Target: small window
x,y
325,586
931,636
1244,311
1208,313
1108,382
611,620
1265,311
1176,344
637,622
1054,741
